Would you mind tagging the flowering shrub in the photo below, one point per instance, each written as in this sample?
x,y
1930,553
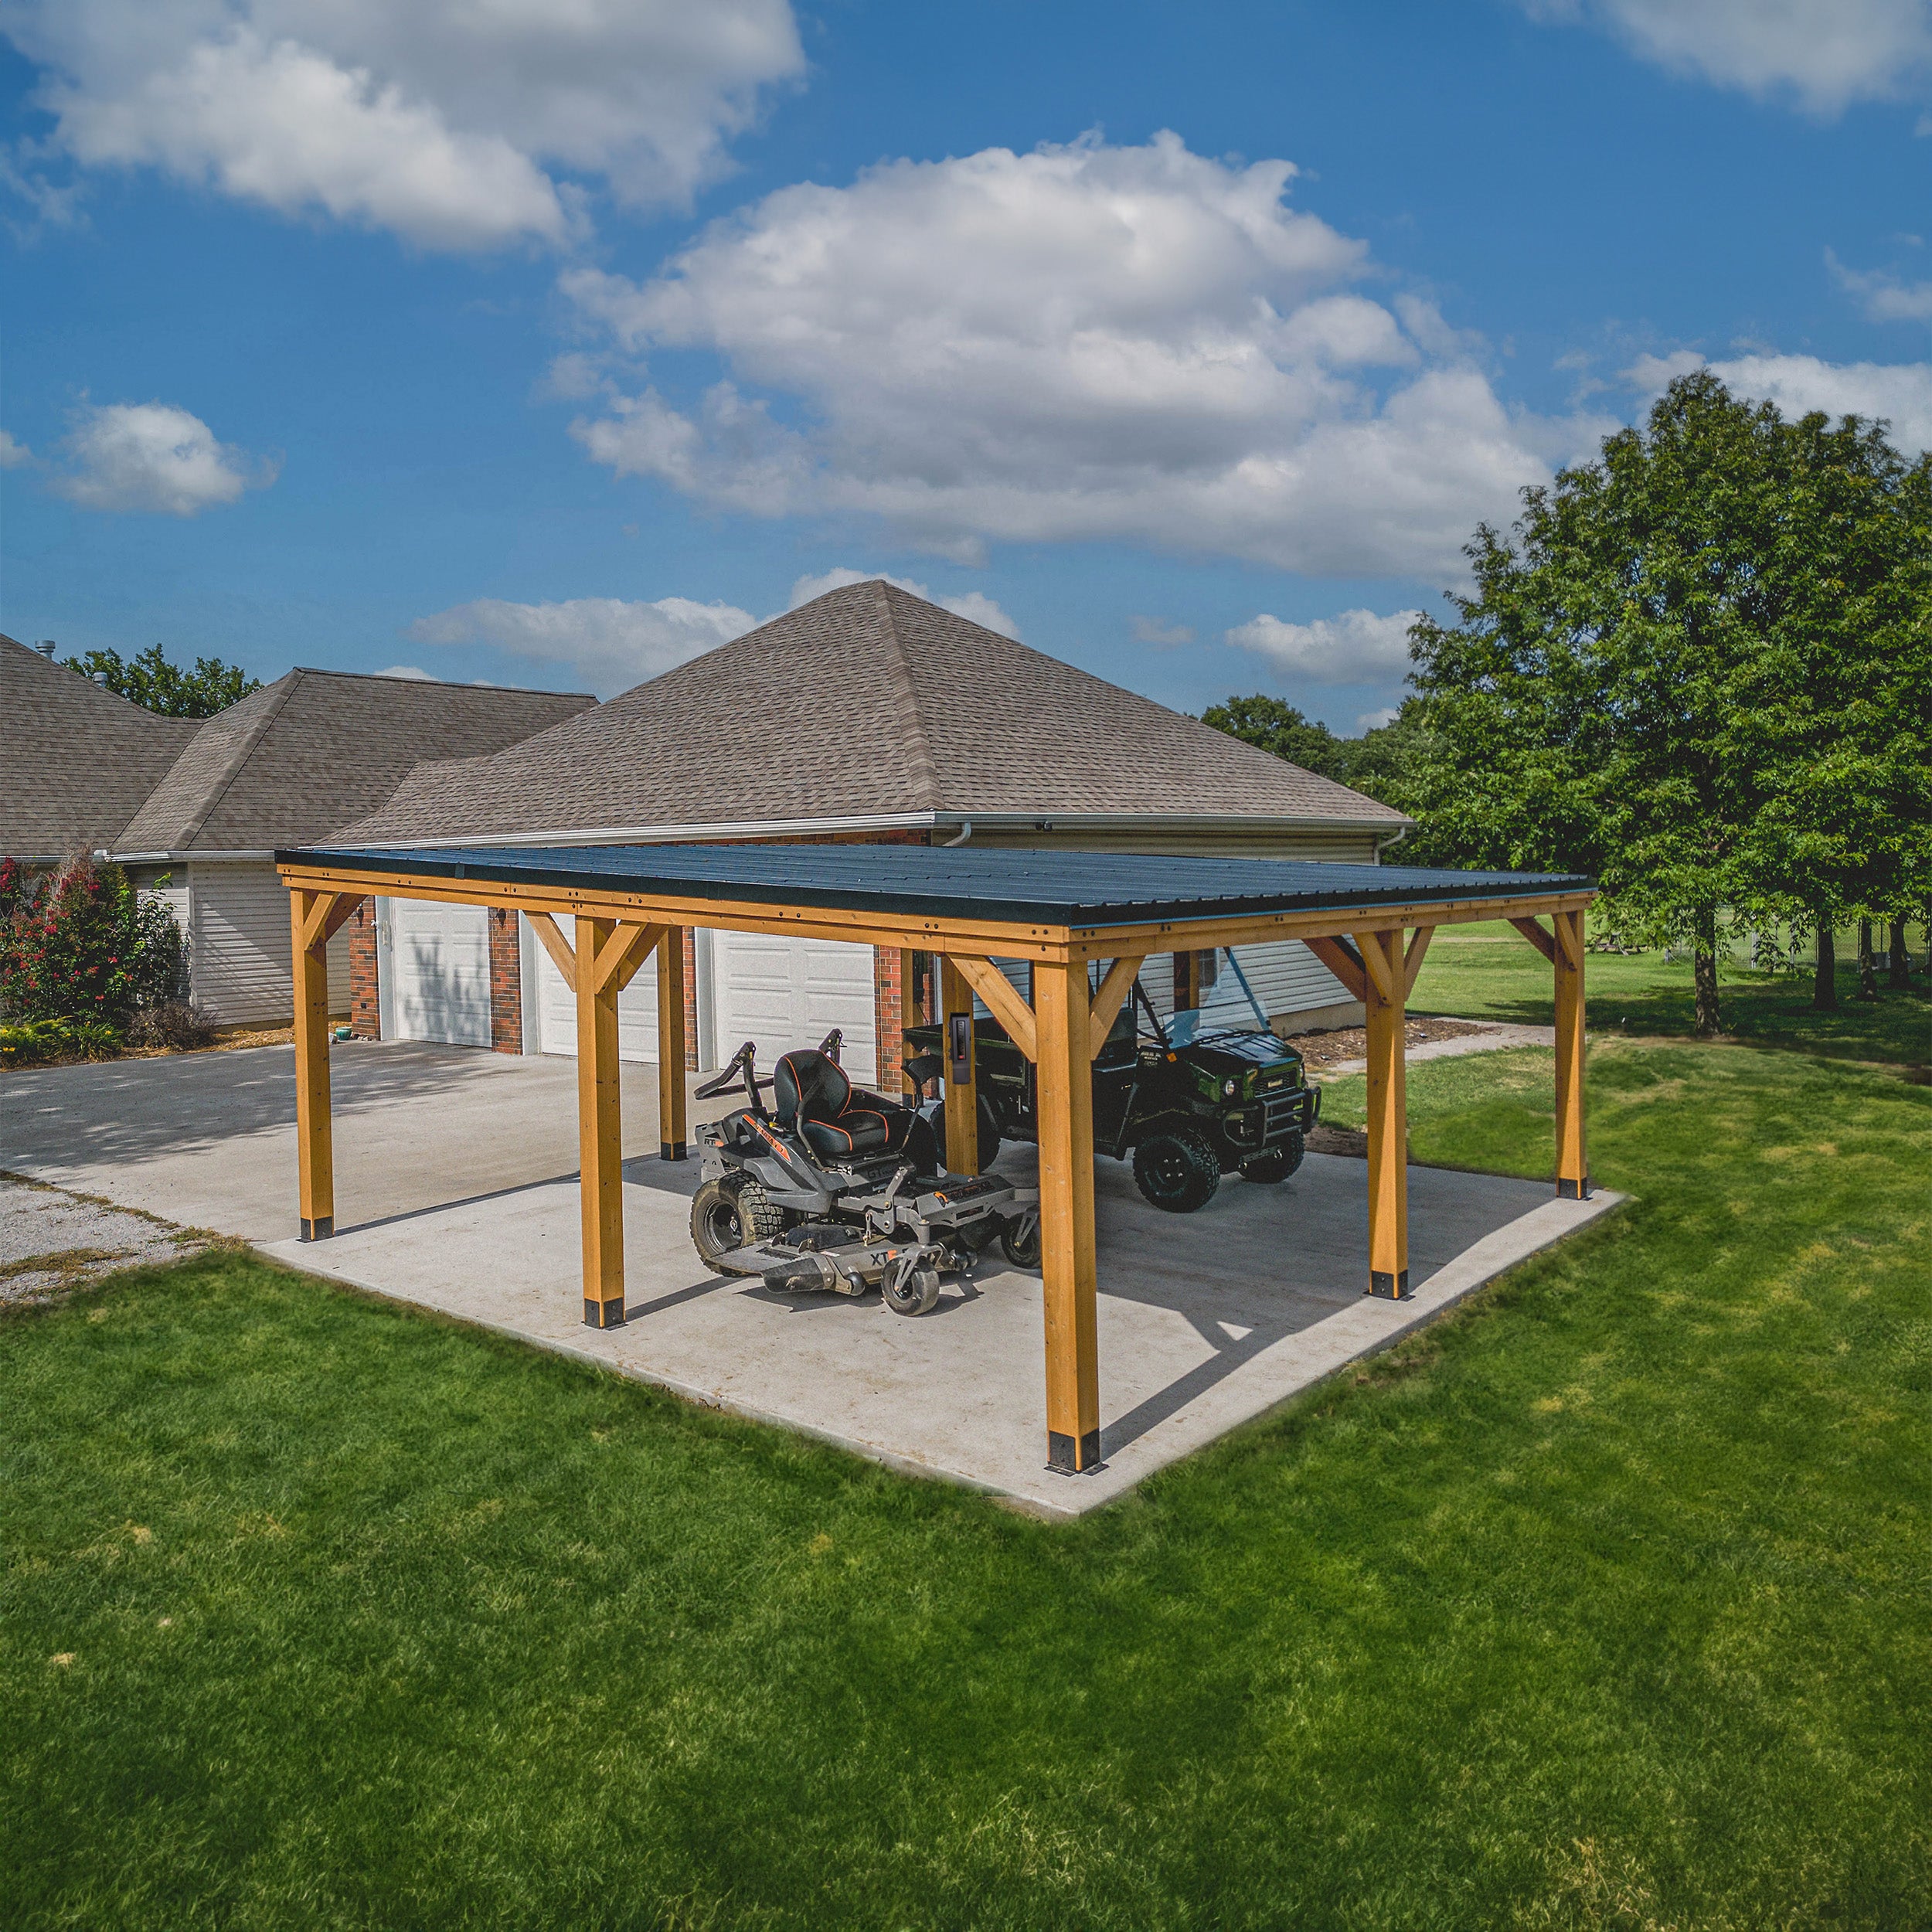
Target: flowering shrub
x,y
77,945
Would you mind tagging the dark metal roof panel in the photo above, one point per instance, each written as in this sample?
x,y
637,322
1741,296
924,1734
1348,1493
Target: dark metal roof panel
x,y
1017,887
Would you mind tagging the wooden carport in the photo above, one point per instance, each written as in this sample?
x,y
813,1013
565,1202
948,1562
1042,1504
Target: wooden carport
x,y
601,911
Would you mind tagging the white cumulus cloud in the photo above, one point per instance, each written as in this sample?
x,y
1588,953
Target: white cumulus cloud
x,y
610,643
1357,647
1160,632
1899,392
13,453
1884,296
153,456
1133,343
974,605
453,124
1824,54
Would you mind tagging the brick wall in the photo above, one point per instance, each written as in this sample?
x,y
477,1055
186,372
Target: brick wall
x,y
690,999
506,983
365,996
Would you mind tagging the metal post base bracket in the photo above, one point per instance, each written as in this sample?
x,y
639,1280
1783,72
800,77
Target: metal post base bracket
x,y
1574,1190
604,1314
321,1228
672,1151
1066,1457
1389,1287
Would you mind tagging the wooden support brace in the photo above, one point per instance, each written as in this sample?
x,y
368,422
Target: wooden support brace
x,y
1573,1162
599,1132
1065,1077
1113,994
309,916
1388,1117
556,946
1537,934
1418,952
629,947
1345,962
671,1090
1002,1001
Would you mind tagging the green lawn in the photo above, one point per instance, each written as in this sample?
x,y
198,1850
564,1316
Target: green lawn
x,y
1606,1602
1485,970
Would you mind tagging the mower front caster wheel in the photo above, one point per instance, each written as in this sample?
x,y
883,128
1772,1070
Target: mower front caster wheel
x,y
916,1292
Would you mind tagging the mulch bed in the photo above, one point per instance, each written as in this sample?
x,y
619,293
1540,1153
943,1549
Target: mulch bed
x,y
1331,1049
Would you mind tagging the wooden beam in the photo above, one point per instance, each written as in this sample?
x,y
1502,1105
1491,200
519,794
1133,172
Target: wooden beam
x,y
1384,970
1534,930
961,1151
1388,1118
556,946
328,912
628,948
672,1088
1001,1001
1418,952
1066,1218
599,1134
1345,962
314,1140
1026,939
1573,1162
1113,994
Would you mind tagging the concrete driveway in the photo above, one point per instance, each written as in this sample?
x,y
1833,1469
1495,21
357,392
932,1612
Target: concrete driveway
x,y
456,1189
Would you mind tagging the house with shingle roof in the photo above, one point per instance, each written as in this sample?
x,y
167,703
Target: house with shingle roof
x,y
195,809
77,760
868,714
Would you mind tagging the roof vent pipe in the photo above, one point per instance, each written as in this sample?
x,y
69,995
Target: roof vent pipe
x,y
965,832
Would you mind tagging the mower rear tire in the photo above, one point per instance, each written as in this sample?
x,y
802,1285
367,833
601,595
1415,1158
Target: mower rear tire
x,y
733,1212
1179,1170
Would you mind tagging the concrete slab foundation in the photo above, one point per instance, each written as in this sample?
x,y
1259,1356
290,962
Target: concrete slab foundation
x,y
457,1192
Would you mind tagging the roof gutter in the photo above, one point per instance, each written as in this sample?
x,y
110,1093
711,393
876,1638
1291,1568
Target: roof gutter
x,y
981,822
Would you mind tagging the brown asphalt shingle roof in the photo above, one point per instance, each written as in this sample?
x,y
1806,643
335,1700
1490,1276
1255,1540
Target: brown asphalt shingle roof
x,y
866,702
75,761
292,760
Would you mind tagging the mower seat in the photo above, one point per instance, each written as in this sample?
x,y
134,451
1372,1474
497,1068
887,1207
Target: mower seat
x,y
812,1096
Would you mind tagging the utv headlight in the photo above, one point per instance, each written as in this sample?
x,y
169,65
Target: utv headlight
x,y
1229,1089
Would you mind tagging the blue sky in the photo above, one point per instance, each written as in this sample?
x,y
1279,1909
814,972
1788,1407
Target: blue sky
x,y
551,345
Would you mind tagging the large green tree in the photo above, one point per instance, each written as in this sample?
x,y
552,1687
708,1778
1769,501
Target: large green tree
x,y
1586,703
1382,762
149,680
1272,724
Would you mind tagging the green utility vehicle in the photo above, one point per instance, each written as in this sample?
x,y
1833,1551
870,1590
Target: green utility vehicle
x,y
1187,1099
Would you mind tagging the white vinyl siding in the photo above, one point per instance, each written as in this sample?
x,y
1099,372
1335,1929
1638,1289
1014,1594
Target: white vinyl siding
x,y
435,961
238,946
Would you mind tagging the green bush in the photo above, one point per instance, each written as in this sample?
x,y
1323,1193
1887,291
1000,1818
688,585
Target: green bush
x,y
78,944
27,1043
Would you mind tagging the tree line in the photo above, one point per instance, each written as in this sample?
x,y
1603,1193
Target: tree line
x,y
1698,668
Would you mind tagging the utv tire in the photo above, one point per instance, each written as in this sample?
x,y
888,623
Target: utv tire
x,y
988,1136
1019,1240
728,1213
1178,1171
914,1294
1275,1163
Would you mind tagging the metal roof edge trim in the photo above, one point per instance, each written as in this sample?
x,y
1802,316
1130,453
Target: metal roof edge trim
x,y
1096,915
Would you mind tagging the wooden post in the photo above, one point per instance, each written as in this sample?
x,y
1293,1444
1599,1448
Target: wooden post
x,y
1065,1074
1387,988
962,1096
600,1131
1573,1162
671,1056
1187,982
314,1142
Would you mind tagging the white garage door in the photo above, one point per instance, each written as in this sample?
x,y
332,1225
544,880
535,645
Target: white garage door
x,y
556,1006
784,992
435,966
